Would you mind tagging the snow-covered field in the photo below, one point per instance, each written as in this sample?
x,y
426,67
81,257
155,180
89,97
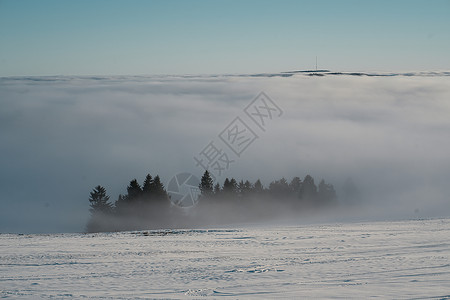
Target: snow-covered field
x,y
403,259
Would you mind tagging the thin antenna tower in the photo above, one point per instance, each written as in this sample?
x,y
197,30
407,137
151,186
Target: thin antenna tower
x,y
316,63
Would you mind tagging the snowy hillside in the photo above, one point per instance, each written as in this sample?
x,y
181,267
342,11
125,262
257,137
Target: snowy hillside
x,y
408,259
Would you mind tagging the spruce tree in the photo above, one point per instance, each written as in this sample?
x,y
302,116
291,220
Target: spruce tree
x,y
100,209
146,187
244,188
121,204
326,193
295,185
230,188
206,185
308,189
258,188
217,190
241,189
134,191
99,201
157,192
233,185
279,189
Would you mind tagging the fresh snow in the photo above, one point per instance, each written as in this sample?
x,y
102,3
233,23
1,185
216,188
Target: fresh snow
x,y
402,259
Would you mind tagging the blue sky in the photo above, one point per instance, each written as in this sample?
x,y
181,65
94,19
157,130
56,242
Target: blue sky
x,y
203,37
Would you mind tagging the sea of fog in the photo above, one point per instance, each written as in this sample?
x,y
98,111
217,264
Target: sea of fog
x,y
389,260
60,136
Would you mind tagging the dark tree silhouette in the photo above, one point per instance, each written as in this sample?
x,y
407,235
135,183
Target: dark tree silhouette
x,y
157,191
99,201
100,209
229,189
258,188
279,189
308,189
244,189
226,186
241,189
134,191
217,190
120,204
148,207
295,185
206,186
326,193
147,188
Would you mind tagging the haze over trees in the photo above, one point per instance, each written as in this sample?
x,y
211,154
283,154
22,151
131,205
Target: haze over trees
x,y
149,206
100,208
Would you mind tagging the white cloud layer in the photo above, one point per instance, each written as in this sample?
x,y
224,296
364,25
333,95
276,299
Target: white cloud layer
x,y
61,136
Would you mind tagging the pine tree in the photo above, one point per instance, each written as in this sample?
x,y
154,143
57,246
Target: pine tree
x,y
241,189
308,189
226,185
248,187
206,185
99,201
229,188
233,186
134,191
120,204
157,192
146,187
326,193
100,209
295,185
217,190
244,188
279,189
258,188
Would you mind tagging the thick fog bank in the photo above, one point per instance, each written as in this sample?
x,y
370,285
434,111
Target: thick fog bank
x,y
61,136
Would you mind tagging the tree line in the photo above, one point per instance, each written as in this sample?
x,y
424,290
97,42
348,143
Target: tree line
x,y
149,206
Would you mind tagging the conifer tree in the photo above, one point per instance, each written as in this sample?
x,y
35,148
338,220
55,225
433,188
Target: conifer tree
x,y
146,187
206,185
233,185
258,188
295,185
157,192
134,191
99,201
217,190
308,189
326,193
279,189
100,209
229,188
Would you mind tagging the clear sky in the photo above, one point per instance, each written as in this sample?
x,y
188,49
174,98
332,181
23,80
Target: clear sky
x,y
105,37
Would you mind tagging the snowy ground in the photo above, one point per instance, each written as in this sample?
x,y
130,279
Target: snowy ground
x,y
405,259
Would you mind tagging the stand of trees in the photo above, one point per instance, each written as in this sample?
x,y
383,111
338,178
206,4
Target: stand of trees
x,y
148,206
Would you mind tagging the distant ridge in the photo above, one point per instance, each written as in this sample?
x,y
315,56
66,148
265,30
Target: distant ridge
x,y
308,71
330,73
324,72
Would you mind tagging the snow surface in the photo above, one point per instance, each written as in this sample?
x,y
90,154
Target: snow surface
x,y
403,259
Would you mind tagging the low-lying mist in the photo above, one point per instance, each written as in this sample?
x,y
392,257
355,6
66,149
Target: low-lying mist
x,y
62,136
